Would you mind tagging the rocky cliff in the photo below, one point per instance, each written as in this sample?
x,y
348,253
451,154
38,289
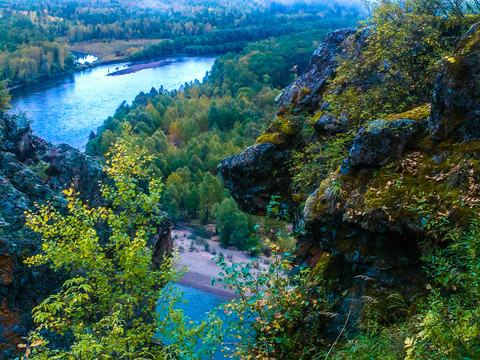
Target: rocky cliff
x,y
406,179
32,172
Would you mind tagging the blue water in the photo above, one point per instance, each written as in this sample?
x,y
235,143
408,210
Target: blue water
x,y
67,108
199,302
196,304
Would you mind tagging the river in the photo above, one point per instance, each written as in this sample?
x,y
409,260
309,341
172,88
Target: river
x,y
67,108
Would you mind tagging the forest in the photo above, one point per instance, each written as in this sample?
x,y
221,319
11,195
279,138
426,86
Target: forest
x,y
34,36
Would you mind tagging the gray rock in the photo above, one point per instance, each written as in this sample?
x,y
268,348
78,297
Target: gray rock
x,y
456,101
379,142
321,68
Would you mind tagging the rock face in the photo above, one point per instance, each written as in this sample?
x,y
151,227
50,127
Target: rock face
x,y
307,91
260,172
248,176
456,100
399,175
34,171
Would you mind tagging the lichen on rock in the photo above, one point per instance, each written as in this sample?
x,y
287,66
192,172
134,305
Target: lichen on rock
x,y
404,173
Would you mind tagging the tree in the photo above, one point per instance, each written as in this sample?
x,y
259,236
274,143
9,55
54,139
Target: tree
x,y
210,191
108,308
232,224
4,97
173,209
274,308
395,69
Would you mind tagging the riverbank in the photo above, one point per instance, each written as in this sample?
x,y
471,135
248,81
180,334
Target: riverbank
x,y
200,256
113,50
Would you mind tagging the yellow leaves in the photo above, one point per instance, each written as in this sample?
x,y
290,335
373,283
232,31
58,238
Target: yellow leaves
x,y
450,59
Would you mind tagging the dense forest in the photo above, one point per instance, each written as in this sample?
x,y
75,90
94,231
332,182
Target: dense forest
x,y
389,70
191,130
34,36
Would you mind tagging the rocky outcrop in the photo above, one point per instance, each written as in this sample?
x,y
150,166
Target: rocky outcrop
x,y
307,91
32,172
248,176
456,100
400,177
262,171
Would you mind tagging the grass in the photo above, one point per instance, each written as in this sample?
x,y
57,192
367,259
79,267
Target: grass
x,y
114,50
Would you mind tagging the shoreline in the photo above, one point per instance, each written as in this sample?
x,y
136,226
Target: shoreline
x,y
139,66
199,256
203,283
76,70
80,68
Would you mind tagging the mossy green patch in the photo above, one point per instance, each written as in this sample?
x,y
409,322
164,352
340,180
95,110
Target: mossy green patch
x,y
417,114
281,131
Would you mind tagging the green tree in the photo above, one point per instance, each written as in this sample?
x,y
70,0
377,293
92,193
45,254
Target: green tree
x,y
232,224
274,310
173,209
395,70
108,308
211,192
448,326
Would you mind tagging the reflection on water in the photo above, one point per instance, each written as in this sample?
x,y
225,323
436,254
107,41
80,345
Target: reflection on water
x,y
66,109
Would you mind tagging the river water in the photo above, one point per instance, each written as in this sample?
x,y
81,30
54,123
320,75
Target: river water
x,y
67,108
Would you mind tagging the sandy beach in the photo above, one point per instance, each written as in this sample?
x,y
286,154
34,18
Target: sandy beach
x,y
198,256
142,66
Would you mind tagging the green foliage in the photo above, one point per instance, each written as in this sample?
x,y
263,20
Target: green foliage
x,y
108,307
206,122
396,68
448,326
4,97
34,35
314,164
276,313
210,191
386,345
232,224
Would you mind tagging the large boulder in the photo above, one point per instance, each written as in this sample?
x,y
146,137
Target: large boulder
x,y
456,101
327,124
307,91
380,142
